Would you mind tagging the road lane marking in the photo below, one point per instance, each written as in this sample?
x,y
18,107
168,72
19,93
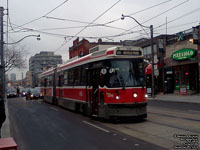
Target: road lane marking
x,y
54,108
97,127
194,111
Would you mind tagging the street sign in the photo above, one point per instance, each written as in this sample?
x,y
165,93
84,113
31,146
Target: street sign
x,y
180,36
156,72
155,67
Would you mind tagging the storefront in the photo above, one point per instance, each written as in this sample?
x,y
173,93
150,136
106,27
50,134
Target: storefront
x,y
181,71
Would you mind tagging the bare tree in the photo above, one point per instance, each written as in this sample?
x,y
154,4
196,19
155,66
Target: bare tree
x,y
15,57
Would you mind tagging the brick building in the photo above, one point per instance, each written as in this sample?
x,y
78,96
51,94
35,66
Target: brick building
x,y
80,48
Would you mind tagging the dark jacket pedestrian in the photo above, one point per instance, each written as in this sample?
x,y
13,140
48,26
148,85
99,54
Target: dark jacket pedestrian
x,y
18,92
2,114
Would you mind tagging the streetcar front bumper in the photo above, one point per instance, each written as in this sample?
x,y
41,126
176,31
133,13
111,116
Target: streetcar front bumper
x,y
136,110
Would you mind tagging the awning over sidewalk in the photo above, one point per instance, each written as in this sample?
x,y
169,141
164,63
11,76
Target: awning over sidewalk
x,y
148,69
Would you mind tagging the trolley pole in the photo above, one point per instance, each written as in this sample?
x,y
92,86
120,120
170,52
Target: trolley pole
x,y
2,65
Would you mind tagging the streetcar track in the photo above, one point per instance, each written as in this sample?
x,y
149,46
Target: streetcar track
x,y
174,116
173,126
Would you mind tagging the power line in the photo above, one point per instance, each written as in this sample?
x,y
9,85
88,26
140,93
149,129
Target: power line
x,y
178,25
159,14
90,23
70,36
83,22
45,14
139,11
105,24
182,16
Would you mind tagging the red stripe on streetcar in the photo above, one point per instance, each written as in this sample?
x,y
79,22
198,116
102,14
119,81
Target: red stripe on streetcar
x,y
110,52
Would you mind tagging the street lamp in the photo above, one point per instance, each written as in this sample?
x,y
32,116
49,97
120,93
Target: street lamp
x,y
152,51
38,38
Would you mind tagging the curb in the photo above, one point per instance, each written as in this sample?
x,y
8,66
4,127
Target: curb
x,y
5,131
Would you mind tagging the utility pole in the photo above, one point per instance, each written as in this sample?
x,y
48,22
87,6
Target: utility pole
x,y
2,66
152,57
22,79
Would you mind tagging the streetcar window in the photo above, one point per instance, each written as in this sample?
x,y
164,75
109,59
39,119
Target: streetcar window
x,y
45,82
77,76
66,78
50,81
123,73
70,77
83,74
61,81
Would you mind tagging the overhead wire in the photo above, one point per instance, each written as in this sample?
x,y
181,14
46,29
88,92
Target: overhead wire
x,y
83,22
45,14
89,24
139,11
70,36
105,24
179,25
182,16
158,15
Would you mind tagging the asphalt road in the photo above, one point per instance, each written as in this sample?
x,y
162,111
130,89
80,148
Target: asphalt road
x,y
36,125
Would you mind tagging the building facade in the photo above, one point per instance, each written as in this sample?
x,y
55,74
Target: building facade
x,y
80,48
182,62
28,79
41,61
176,61
13,77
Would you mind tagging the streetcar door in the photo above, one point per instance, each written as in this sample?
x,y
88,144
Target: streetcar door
x,y
54,88
60,85
93,90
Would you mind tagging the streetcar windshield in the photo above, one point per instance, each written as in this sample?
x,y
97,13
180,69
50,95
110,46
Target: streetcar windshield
x,y
125,73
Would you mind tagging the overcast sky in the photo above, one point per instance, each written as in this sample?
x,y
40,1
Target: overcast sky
x,y
59,22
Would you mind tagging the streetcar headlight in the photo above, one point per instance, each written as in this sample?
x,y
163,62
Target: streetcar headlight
x,y
117,97
146,95
31,95
135,95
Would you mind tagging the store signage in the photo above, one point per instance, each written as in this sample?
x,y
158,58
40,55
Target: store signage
x,y
183,54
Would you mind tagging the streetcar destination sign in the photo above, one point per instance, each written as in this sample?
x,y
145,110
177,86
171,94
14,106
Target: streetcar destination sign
x,y
128,52
183,54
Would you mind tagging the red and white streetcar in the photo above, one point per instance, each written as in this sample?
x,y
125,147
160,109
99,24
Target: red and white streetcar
x,y
109,83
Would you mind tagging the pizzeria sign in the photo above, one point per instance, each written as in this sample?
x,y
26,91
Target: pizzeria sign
x,y
183,54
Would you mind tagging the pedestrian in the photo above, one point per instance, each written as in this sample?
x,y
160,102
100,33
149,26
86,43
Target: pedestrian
x,y
17,92
2,114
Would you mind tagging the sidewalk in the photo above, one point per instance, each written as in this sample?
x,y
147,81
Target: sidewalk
x,y
5,130
177,98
